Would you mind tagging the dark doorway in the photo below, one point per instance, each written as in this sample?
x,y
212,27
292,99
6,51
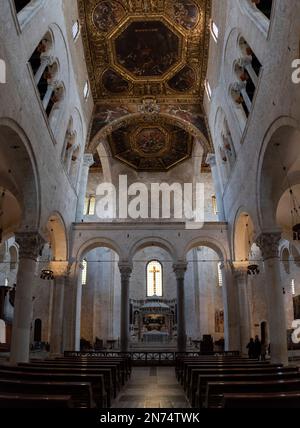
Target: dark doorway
x,y
37,330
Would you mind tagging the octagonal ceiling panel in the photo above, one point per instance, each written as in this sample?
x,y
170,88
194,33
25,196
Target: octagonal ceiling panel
x,y
147,49
151,147
147,56
147,43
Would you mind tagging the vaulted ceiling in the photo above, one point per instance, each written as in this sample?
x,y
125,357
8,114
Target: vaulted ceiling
x,y
147,57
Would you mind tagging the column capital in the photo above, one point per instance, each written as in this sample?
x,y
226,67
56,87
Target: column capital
x,y
180,269
211,159
31,244
240,270
60,269
268,242
125,270
88,160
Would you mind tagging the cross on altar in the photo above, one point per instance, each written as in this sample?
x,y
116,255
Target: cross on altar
x,y
154,271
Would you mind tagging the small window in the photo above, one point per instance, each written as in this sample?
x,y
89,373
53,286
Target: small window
x,y
293,288
75,30
208,89
214,204
6,282
154,279
84,272
220,276
20,4
90,205
86,90
214,30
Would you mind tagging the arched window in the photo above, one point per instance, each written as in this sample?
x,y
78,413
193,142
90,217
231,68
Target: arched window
x,y
37,337
154,279
2,331
75,30
214,30
84,272
86,90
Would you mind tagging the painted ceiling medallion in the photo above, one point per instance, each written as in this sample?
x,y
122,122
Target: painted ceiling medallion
x,y
114,83
150,147
185,12
147,49
107,14
150,142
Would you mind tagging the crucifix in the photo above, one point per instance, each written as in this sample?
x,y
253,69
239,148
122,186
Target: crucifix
x,y
154,271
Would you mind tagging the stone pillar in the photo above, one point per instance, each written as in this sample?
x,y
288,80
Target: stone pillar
x,y
231,313
180,269
88,161
125,271
30,246
211,161
269,246
45,61
241,277
56,337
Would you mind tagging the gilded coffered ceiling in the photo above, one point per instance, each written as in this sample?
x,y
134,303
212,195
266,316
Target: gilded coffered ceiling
x,y
146,56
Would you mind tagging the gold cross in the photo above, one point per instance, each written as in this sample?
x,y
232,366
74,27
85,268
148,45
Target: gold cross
x,y
154,271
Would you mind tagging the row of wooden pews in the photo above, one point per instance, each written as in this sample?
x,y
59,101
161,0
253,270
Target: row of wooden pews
x,y
214,382
80,382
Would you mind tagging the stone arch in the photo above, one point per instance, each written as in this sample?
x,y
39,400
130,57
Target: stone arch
x,y
152,118
15,149
272,179
243,236
58,237
209,242
150,242
97,243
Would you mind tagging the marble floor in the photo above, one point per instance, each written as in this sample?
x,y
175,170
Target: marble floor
x,y
152,387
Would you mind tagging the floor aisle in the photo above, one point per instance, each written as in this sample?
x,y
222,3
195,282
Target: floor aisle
x,y
152,387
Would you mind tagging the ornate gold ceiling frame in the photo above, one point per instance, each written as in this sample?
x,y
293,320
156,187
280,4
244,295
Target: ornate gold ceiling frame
x,y
153,119
182,49
95,74
133,141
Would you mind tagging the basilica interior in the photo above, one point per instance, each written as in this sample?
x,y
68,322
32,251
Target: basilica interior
x,y
111,113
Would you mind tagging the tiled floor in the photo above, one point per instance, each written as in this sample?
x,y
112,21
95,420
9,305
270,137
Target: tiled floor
x,y
152,387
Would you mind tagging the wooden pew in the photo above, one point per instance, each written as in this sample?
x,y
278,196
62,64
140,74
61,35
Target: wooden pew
x,y
189,367
80,392
31,401
270,400
114,384
107,374
198,399
216,390
195,372
101,397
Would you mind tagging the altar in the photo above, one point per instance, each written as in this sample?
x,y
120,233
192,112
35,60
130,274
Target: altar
x,y
156,337
153,321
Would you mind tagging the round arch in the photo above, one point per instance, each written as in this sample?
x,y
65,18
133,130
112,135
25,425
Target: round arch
x,y
271,178
243,235
98,243
211,243
15,148
58,237
153,242
133,117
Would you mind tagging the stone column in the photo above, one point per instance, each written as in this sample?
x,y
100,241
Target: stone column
x,y
180,270
231,312
88,161
211,161
269,246
56,337
241,277
30,246
125,271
